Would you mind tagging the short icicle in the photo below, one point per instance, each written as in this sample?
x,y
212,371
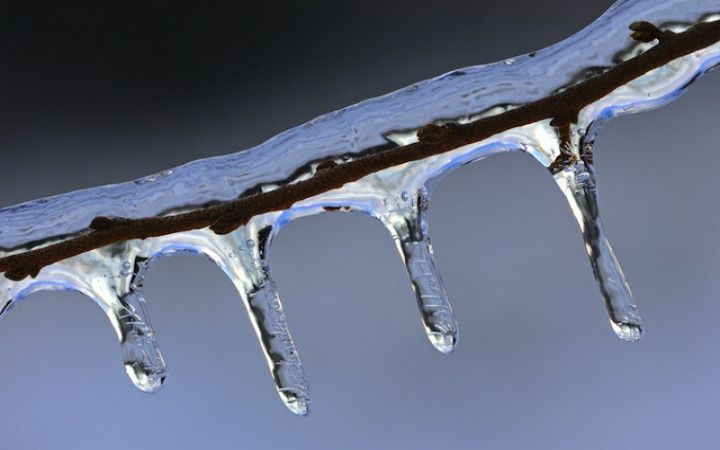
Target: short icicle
x,y
113,282
408,225
249,270
577,181
121,295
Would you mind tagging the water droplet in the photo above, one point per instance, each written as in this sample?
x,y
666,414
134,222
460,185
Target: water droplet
x,y
627,331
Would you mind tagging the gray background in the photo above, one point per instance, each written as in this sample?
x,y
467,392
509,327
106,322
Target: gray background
x,y
93,96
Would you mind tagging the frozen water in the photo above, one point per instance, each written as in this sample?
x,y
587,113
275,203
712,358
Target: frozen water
x,y
398,196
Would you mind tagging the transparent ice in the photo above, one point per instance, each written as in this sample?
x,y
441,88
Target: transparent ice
x,y
398,196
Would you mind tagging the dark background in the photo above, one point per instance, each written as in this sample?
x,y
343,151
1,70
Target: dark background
x,y
95,95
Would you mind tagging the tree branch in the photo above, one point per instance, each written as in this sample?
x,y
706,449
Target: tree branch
x,y
563,107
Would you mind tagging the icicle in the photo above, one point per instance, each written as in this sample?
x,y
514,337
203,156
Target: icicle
x,y
408,226
115,285
249,270
143,361
120,293
579,186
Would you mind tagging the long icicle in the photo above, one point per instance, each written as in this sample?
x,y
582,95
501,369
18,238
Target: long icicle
x,y
408,225
578,183
250,272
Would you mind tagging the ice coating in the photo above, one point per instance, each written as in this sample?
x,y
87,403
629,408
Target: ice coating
x,y
457,95
398,196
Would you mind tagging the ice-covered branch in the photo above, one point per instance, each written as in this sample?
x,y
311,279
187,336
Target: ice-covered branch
x,y
380,157
432,139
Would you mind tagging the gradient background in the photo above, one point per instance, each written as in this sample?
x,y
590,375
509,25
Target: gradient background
x,y
94,96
